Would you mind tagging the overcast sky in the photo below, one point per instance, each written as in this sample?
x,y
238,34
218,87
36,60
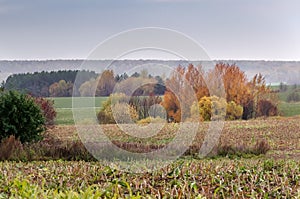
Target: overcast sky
x,y
227,29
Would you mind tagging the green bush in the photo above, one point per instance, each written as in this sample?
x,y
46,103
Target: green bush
x,y
20,116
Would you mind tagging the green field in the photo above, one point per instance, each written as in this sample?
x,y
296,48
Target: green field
x,y
63,107
289,109
66,102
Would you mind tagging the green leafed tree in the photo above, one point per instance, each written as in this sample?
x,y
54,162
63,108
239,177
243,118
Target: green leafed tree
x,y
20,116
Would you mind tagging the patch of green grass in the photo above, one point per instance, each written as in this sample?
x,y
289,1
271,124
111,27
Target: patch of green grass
x,y
65,115
289,109
63,107
66,102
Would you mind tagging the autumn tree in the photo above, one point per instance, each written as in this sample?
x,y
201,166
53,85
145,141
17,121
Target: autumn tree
x,y
182,89
136,86
144,104
103,85
88,88
196,77
106,83
234,82
61,89
241,91
260,96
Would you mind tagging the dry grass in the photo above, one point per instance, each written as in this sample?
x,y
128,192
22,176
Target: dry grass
x,y
280,135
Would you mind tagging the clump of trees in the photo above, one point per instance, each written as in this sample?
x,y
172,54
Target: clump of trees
x,y
61,89
103,85
243,99
223,92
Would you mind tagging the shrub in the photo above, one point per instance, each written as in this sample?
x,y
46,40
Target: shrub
x,y
116,106
47,109
208,104
20,116
233,111
248,110
10,148
124,113
205,108
266,108
261,147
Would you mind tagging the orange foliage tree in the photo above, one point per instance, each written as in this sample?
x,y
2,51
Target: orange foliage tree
x,y
182,88
224,80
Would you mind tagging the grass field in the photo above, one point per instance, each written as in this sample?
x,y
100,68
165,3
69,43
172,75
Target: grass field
x,y
289,109
66,102
63,107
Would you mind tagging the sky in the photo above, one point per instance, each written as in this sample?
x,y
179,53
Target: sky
x,y
226,29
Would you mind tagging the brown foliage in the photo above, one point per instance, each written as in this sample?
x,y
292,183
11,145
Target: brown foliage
x,y
266,108
106,83
234,81
10,148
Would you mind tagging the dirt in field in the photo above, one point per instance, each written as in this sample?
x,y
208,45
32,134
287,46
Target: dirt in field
x,y
282,134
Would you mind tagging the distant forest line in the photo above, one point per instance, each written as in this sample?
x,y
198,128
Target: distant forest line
x,y
88,83
273,71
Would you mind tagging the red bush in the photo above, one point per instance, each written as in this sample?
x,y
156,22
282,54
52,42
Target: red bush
x,y
47,109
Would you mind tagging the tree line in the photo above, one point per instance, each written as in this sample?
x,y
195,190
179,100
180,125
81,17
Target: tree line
x,y
62,83
225,86
223,92
45,84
